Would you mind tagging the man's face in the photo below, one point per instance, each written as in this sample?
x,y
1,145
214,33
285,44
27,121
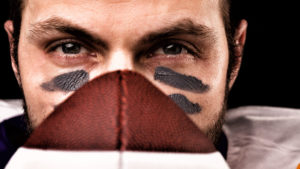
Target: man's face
x,y
65,43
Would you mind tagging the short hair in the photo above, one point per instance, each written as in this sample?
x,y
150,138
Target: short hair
x,y
229,16
15,14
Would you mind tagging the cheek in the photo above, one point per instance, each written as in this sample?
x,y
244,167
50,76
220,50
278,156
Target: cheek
x,y
212,105
34,70
212,102
212,73
40,103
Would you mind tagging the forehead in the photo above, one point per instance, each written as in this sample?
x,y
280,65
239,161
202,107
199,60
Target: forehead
x,y
122,9
125,19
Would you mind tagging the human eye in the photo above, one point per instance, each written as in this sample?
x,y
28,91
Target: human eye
x,y
69,52
68,48
174,50
71,48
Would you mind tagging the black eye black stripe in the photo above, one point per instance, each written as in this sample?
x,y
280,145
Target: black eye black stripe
x,y
185,104
67,82
180,81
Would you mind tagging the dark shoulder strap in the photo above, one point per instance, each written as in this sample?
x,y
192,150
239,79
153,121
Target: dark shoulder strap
x,y
12,135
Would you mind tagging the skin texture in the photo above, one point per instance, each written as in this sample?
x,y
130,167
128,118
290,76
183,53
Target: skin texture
x,y
124,34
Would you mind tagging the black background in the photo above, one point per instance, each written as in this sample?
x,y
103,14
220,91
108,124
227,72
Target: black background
x,y
270,70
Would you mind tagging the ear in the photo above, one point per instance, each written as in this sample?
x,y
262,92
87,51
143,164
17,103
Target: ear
x,y
9,28
239,43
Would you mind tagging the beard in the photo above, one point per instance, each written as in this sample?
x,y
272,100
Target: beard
x,y
29,126
214,132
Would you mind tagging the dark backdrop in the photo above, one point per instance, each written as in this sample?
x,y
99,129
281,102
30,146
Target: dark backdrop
x,y
270,69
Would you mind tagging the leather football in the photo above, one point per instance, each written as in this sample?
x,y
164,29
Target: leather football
x,y
119,111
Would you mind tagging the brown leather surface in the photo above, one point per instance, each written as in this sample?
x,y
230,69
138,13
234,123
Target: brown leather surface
x,y
119,111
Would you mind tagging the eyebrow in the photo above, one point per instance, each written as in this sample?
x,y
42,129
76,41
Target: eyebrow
x,y
181,27
205,35
57,24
